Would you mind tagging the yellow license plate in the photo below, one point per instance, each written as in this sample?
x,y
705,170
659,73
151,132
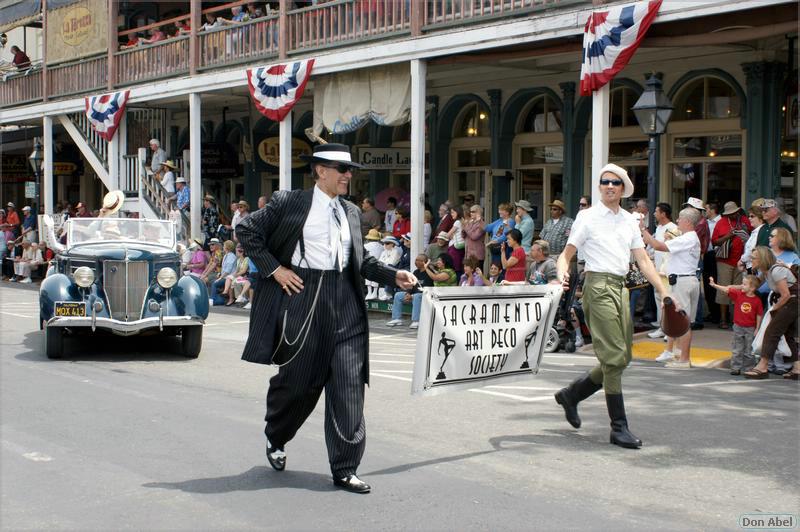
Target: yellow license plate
x,y
70,309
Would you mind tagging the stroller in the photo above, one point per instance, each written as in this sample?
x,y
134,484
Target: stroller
x,y
562,333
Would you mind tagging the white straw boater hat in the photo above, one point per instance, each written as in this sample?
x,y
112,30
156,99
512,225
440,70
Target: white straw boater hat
x,y
622,174
112,202
330,154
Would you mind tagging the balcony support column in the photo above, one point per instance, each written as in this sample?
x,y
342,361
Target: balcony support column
x,y
194,43
417,199
48,185
45,90
195,170
600,112
111,35
283,29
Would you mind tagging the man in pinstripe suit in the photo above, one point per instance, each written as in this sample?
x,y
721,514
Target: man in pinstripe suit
x,y
308,243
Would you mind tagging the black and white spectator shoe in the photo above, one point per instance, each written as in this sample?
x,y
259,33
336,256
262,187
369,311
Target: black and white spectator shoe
x,y
276,457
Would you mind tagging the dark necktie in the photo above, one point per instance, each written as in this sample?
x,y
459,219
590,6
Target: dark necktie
x,y
336,236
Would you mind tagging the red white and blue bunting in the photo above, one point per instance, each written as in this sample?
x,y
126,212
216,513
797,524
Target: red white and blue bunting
x,y
277,88
106,111
610,39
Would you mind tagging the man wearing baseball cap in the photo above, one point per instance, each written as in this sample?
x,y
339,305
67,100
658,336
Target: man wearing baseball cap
x,y
608,235
772,219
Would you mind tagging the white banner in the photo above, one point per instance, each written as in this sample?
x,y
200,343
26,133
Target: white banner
x,y
472,336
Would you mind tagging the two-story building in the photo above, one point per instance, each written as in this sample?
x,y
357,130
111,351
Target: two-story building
x,y
481,97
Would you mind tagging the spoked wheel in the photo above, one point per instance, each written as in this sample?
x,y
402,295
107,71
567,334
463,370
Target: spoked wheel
x,y
552,341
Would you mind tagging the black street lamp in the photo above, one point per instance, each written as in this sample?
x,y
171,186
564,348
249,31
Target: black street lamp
x,y
652,110
35,159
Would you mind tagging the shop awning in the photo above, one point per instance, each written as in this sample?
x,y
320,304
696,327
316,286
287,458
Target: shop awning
x,y
15,13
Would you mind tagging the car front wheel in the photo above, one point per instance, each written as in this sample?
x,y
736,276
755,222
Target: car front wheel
x,y
53,341
191,341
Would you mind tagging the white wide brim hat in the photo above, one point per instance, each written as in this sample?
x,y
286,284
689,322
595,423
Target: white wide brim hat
x,y
112,202
620,173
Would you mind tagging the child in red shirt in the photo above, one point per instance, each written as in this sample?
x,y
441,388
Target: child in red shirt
x,y
747,314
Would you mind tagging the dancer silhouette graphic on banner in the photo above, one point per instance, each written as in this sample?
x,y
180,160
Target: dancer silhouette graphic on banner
x,y
448,345
528,340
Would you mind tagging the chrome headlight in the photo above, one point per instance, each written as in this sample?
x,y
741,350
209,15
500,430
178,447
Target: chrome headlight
x,y
166,277
84,276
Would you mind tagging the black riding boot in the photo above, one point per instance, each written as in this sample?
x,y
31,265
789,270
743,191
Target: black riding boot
x,y
573,394
620,435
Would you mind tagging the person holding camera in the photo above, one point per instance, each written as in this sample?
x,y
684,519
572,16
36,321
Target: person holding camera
x,y
684,284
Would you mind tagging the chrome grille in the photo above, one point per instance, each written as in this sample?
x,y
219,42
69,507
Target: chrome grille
x,y
125,284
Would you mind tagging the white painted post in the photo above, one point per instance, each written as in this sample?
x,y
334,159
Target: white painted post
x,y
419,70
600,111
141,174
124,182
195,170
285,153
113,162
47,142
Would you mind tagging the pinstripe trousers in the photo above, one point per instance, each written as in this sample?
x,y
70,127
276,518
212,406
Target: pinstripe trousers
x,y
332,359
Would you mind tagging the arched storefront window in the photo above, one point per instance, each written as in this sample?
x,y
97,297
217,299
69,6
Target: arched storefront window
x,y
470,154
474,122
539,155
543,115
622,100
706,98
705,142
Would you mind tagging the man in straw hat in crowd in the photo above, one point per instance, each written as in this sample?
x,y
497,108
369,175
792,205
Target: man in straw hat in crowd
x,y
321,270
556,229
729,237
608,234
373,243
703,233
438,246
168,177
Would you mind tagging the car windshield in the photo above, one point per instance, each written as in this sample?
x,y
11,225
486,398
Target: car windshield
x,y
85,230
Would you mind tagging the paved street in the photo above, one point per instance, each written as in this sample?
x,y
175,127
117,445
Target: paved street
x,y
125,434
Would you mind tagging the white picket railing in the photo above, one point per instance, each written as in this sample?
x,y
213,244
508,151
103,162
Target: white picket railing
x,y
98,144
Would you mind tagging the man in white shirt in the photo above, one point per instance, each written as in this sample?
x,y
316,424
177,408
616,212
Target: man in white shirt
x,y
159,155
684,253
608,234
664,223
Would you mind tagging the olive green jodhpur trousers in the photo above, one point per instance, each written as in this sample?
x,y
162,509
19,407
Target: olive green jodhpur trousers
x,y
605,304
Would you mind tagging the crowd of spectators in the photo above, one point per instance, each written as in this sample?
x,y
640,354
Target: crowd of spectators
x,y
746,264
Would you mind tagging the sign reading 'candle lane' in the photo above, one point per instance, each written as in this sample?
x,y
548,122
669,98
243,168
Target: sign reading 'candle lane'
x,y
473,336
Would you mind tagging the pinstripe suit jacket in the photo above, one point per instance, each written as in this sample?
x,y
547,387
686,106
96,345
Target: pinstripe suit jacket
x,y
269,237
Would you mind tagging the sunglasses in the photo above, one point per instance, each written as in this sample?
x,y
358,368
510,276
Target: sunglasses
x,y
341,168
615,182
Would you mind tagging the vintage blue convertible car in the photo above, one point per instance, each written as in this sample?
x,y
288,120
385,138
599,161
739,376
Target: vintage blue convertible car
x,y
120,275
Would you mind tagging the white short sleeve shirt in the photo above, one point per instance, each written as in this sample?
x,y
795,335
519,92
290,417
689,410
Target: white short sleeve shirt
x,y
684,254
606,238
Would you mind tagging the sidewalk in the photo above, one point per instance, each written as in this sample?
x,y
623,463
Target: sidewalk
x,y
711,347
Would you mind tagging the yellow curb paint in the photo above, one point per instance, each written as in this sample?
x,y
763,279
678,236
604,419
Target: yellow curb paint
x,y
701,356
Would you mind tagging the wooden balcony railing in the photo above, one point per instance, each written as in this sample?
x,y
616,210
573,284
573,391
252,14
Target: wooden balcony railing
x,y
21,88
331,24
346,21
444,12
153,61
239,42
76,77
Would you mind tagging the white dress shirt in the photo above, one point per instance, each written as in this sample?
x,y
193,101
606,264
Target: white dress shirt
x,y
606,238
684,254
168,182
712,222
317,234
